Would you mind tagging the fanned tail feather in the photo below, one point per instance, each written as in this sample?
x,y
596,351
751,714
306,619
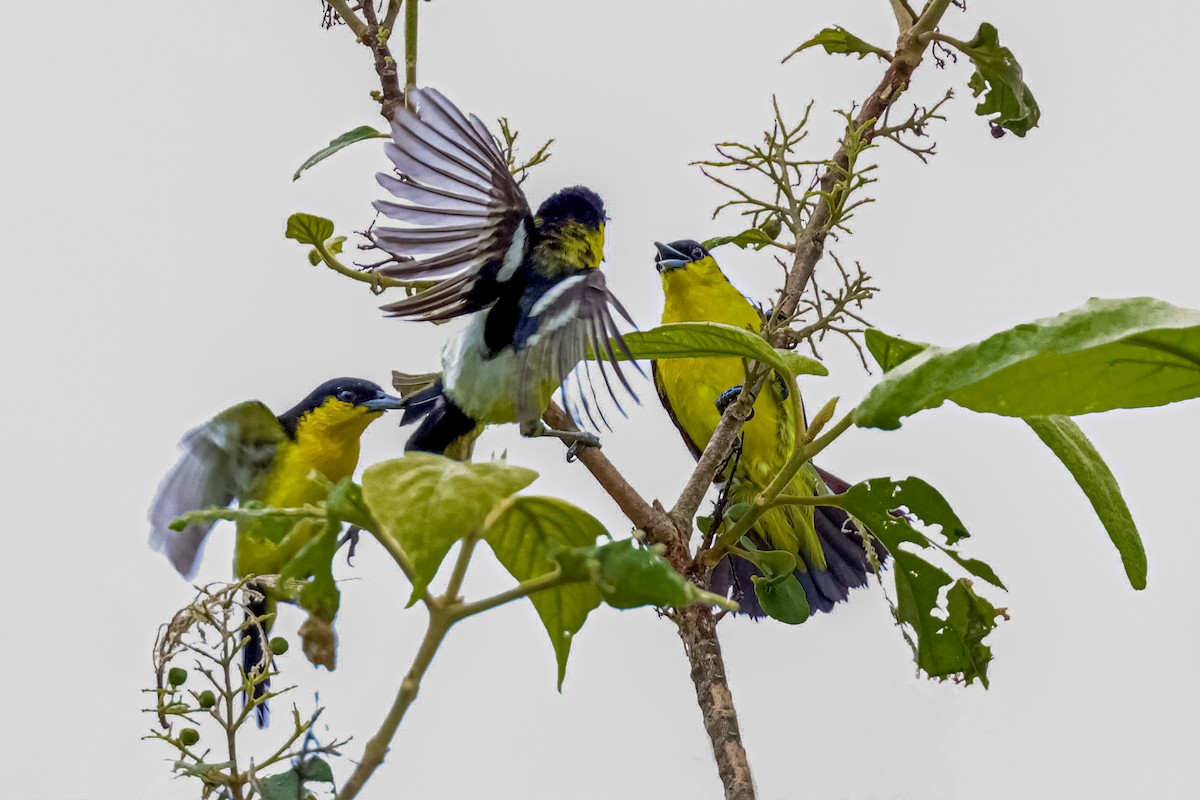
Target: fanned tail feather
x,y
846,563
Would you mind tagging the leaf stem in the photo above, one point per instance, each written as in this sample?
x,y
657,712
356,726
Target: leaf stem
x,y
549,580
440,622
768,496
450,597
356,25
397,553
378,282
930,17
410,44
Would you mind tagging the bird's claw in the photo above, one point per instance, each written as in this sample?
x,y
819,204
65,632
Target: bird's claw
x,y
351,536
584,440
728,396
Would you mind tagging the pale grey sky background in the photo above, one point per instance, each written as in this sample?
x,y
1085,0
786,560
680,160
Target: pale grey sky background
x,y
148,151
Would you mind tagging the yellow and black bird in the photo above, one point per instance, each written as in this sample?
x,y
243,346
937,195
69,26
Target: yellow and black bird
x,y
695,392
530,282
247,453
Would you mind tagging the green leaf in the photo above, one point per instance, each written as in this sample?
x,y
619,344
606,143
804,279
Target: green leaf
x,y
284,786
313,564
359,134
629,576
969,619
715,339
890,352
751,237
1106,354
317,769
524,535
308,229
334,246
290,785
1072,447
779,592
782,598
1080,458
838,40
428,502
999,79
942,648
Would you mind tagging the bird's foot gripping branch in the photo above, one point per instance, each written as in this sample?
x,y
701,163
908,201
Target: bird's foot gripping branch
x,y
417,508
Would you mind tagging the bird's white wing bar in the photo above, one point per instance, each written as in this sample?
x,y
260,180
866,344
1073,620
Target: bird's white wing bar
x,y
565,323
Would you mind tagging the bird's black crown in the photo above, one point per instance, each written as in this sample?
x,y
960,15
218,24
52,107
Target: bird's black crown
x,y
690,248
578,203
354,391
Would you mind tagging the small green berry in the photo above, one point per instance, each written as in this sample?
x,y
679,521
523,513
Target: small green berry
x,y
177,676
207,699
189,736
279,645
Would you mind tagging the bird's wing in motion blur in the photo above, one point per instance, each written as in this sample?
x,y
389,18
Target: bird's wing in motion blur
x,y
220,460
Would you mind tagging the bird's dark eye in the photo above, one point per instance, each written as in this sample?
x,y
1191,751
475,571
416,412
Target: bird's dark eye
x,y
658,266
697,253
346,396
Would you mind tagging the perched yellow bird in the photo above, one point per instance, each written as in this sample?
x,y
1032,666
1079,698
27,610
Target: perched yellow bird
x,y
247,453
832,557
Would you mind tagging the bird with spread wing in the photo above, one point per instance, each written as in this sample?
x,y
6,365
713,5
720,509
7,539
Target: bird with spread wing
x,y
248,454
529,281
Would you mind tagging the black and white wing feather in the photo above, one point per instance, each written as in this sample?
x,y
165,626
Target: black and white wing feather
x,y
566,324
462,217
221,460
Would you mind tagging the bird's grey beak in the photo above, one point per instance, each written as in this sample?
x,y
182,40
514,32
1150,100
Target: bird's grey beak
x,y
669,258
384,402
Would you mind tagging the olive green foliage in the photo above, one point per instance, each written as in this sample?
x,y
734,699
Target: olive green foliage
x,y
1071,358
948,641
715,339
1107,354
999,78
360,134
837,40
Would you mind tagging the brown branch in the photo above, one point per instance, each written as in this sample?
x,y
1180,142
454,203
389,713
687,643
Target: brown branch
x,y
369,32
697,625
652,520
720,445
810,245
698,631
377,39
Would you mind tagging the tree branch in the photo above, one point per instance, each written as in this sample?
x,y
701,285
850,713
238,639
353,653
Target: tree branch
x,y
698,631
376,38
810,244
440,623
369,32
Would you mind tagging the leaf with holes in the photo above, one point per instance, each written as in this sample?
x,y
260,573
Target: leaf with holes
x,y
1065,439
999,78
839,41
942,649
